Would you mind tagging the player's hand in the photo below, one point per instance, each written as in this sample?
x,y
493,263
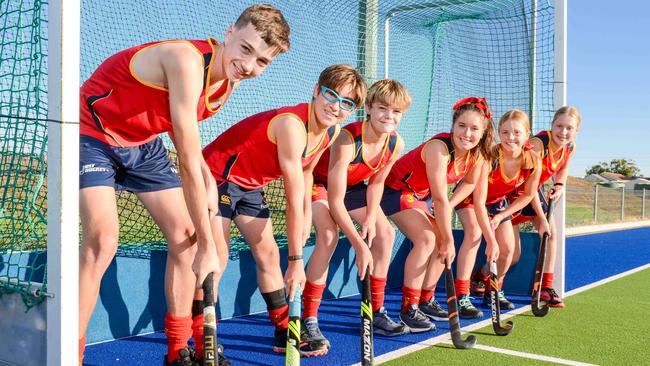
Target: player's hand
x,y
447,252
368,231
556,192
496,220
544,228
363,260
205,261
294,276
492,251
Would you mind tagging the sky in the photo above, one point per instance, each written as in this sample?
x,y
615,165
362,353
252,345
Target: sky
x,y
608,79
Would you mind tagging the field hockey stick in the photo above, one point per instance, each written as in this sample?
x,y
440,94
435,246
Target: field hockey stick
x,y
210,354
452,305
367,342
499,329
539,271
293,331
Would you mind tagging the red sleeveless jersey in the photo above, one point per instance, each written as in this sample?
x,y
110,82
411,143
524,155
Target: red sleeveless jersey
x,y
409,172
499,185
359,168
245,154
118,108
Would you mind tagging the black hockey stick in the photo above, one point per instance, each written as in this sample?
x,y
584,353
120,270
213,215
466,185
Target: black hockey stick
x,y
539,271
367,342
210,354
499,329
452,305
293,332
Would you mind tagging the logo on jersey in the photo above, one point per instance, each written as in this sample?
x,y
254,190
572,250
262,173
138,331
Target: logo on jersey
x,y
174,170
91,168
225,199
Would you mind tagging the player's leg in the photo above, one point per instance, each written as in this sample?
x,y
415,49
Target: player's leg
x,y
505,237
465,263
548,293
428,304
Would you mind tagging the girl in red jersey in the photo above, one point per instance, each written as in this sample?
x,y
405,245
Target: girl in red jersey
x,y
555,147
515,165
417,184
348,185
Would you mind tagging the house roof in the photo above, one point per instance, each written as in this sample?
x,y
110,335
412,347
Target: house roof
x,y
613,176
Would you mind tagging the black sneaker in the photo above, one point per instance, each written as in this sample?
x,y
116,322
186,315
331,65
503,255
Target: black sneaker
x,y
312,340
384,325
416,321
185,359
223,360
504,303
280,341
433,310
466,309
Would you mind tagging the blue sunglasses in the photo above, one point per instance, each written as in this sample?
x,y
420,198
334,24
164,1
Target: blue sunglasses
x,y
332,97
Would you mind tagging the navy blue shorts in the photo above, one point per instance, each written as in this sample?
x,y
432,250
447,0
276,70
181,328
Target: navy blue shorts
x,y
235,200
498,207
144,168
395,200
355,196
529,211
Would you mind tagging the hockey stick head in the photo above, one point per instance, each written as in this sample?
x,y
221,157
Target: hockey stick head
x,y
537,310
452,305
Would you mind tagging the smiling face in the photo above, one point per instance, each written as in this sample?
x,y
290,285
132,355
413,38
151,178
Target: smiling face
x,y
384,117
513,133
245,54
468,129
564,130
329,113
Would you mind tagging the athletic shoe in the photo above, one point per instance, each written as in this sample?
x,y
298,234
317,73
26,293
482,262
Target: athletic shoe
x,y
477,284
504,303
382,324
312,340
433,310
466,308
280,341
185,358
416,321
223,360
549,296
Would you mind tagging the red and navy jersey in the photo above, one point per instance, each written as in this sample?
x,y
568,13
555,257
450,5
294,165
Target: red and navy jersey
x,y
122,110
550,166
359,168
246,155
409,172
499,185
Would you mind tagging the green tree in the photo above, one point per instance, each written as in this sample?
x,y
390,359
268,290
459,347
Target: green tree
x,y
621,166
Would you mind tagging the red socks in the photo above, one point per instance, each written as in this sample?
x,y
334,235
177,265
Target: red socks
x,y
462,287
377,288
178,331
427,295
311,298
280,318
197,334
547,280
410,296
82,347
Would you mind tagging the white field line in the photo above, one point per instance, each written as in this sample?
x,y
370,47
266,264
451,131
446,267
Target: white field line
x,y
593,229
446,338
532,356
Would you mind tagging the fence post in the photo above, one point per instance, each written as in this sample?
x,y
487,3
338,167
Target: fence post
x,y
643,204
595,203
622,203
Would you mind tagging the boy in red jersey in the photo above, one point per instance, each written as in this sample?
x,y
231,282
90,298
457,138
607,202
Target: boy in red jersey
x,y
417,184
348,185
281,143
514,166
555,147
132,97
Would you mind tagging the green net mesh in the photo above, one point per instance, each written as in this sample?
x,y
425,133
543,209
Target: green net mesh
x,y
440,50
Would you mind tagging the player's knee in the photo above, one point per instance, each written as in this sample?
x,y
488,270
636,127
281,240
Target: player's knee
x,y
327,236
426,244
99,249
268,257
182,236
385,236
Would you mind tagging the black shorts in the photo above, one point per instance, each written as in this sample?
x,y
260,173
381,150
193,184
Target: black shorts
x,y
355,196
235,200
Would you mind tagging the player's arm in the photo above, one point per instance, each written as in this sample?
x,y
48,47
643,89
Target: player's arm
x,y
308,177
341,154
561,178
436,158
467,186
376,188
183,69
290,137
479,196
530,191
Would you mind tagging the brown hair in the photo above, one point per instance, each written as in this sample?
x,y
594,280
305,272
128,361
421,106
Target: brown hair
x,y
567,110
486,143
389,92
269,23
529,157
337,76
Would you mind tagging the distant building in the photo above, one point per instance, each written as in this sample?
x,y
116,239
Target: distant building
x,y
631,183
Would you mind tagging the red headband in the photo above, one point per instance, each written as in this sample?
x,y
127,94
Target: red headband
x,y
479,102
528,146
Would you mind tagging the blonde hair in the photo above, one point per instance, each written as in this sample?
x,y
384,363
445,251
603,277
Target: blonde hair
x,y
567,110
269,22
529,157
337,76
486,144
390,92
